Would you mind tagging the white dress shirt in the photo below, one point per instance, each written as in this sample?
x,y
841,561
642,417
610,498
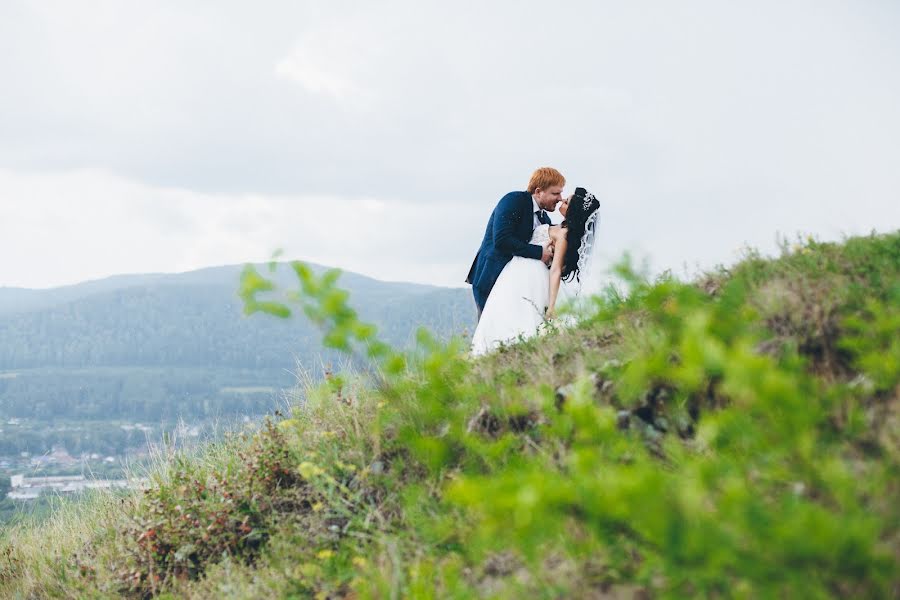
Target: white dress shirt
x,y
536,209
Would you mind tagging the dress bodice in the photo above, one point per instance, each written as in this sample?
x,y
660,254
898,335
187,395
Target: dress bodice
x,y
541,235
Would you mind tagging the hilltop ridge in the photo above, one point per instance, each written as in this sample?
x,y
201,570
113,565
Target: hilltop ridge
x,y
731,436
20,299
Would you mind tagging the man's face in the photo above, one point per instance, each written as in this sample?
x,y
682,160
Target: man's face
x,y
548,199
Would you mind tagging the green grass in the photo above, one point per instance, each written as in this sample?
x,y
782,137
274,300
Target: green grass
x,y
736,436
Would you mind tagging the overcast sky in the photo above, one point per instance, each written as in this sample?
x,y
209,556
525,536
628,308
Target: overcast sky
x,y
378,136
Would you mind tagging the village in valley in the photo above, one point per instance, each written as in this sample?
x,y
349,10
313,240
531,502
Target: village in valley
x,y
112,456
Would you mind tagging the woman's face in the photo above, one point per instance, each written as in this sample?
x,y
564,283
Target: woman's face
x,y
564,206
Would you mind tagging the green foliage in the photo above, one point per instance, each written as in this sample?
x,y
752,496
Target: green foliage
x,y
193,515
326,306
873,341
764,499
736,437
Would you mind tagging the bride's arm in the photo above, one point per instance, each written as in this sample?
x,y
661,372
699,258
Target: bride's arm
x,y
559,256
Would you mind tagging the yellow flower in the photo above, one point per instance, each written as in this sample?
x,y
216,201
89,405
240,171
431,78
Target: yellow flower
x,y
360,562
288,424
324,554
309,470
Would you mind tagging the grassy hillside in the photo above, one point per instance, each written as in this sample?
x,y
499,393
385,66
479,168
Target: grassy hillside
x,y
738,436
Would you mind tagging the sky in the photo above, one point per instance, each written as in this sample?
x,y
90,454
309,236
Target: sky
x,y
378,136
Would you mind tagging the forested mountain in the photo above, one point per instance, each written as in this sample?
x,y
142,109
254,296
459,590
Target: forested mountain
x,y
166,346
194,319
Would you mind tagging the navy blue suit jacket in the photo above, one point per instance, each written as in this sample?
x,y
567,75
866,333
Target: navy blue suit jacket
x,y
508,232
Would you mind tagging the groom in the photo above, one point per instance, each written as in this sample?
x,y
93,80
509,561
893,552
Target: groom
x,y
510,228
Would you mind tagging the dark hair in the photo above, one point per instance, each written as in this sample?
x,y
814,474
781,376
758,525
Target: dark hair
x,y
582,205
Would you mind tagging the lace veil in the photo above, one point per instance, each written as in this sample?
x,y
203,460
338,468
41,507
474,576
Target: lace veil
x,y
588,281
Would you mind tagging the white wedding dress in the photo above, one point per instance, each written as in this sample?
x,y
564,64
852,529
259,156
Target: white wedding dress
x,y
516,305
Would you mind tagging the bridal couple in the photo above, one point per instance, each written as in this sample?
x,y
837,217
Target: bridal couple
x,y
523,258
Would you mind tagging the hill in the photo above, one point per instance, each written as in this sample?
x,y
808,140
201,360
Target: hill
x,y
98,348
193,319
732,436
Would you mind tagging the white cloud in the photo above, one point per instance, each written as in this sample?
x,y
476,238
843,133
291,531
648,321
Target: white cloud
x,y
72,226
315,77
212,133
331,60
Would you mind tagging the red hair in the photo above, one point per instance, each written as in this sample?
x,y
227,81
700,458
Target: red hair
x,y
544,178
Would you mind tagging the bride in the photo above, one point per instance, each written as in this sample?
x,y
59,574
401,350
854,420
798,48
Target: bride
x,y
525,293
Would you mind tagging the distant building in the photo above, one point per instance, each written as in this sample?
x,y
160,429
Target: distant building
x,y
61,456
29,488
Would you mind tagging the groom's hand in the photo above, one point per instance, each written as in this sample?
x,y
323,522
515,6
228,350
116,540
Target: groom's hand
x,y
547,256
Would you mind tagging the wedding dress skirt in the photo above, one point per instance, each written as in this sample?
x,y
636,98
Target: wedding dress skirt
x,y
516,305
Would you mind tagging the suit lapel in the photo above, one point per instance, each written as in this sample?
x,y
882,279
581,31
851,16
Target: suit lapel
x,y
528,230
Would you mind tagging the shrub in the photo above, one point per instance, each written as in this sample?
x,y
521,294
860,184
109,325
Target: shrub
x,y
732,437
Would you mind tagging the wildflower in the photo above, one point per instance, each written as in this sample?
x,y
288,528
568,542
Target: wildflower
x,y
308,470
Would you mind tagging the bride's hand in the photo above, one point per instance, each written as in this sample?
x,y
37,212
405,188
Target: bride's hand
x,y
547,256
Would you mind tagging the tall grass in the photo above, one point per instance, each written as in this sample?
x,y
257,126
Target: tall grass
x,y
730,437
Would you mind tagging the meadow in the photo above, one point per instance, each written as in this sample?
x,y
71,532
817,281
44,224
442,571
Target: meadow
x,y
737,435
